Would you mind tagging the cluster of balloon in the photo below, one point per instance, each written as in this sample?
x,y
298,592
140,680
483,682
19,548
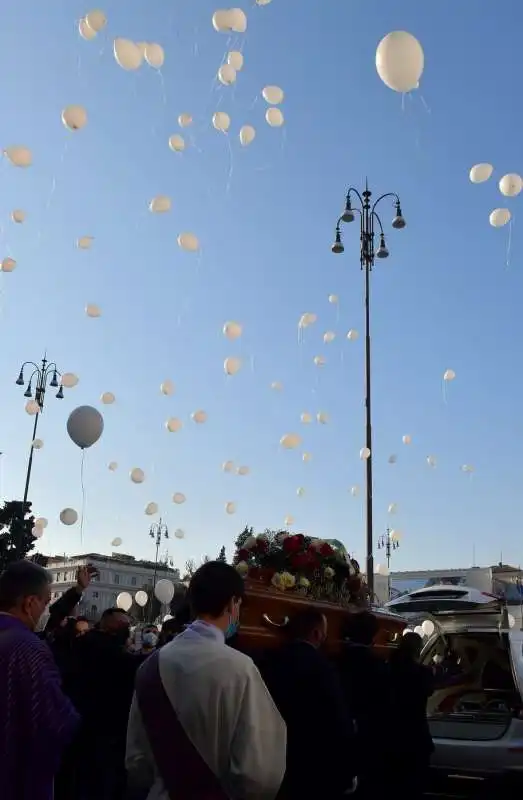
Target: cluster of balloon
x,y
274,95
232,20
164,591
92,24
39,527
400,61
130,55
510,185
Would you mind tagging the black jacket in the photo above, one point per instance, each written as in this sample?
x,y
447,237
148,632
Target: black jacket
x,y
412,684
320,737
366,684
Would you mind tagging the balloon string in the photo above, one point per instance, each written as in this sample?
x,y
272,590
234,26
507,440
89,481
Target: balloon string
x,y
509,243
444,390
82,484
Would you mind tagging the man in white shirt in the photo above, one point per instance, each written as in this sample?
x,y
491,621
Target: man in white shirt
x,y
203,725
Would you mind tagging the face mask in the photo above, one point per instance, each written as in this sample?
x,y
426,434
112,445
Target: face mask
x,y
234,624
150,639
122,635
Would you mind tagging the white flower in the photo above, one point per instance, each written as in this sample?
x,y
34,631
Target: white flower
x,y
249,543
287,580
329,572
243,568
304,582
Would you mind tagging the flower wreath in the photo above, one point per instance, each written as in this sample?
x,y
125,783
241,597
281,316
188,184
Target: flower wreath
x,y
296,562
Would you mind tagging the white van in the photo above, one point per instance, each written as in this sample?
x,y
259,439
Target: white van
x,y
477,721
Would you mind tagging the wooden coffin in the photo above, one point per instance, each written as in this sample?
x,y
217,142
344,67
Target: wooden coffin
x,y
266,612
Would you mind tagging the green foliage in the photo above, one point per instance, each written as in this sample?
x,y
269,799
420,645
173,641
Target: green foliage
x,y
222,556
16,538
242,538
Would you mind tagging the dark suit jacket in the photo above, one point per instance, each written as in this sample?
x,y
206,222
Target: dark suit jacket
x,y
306,689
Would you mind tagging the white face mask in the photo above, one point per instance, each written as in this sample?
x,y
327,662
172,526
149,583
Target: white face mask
x,y
150,639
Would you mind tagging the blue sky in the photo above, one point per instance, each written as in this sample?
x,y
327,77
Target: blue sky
x,y
265,216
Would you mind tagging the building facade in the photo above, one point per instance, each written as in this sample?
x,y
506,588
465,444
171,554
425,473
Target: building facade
x,y
116,573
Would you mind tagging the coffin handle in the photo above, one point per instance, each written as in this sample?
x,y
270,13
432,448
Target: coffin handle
x,y
269,621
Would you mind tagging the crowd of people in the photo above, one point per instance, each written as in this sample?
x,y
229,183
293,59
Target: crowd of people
x,y
187,715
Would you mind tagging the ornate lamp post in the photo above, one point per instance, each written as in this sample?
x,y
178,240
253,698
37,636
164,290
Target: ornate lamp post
x,y
368,219
389,542
157,531
41,377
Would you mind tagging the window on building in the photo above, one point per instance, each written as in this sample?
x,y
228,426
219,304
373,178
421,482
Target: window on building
x,y
59,577
94,609
116,578
133,581
95,595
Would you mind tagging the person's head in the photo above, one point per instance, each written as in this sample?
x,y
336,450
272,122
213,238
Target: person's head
x,y
149,637
410,646
309,626
170,628
215,594
81,626
361,627
25,591
115,622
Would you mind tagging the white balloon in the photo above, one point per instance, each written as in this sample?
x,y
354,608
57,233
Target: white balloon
x,y
290,441
112,466
154,55
37,444
419,630
167,388
85,426
300,491
164,591
228,466
116,542
32,408
273,95
382,569
480,173
184,120
247,135
306,457
329,337
511,185
179,498
393,507
407,439
395,536
355,490
274,117
177,143
400,61
431,461
238,20
74,117
289,520
137,475
68,516
449,375
85,242
124,601
128,54
18,215
392,459
85,31
222,21
230,507
19,156
277,386
188,242
322,417
262,2
227,75
306,418
235,59
96,20
221,121
232,330
8,265
428,627
143,47
307,319
151,509
108,398
179,533
199,417
364,453
320,361
352,335
160,204
141,599
232,365
37,532
41,522
174,425
467,468
334,299
93,311
242,471
69,380
499,217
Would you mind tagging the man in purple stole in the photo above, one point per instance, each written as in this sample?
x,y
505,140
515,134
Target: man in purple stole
x,y
36,719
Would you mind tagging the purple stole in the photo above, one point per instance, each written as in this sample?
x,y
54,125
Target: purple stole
x,y
185,774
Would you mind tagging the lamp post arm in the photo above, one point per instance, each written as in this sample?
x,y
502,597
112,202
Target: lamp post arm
x,y
383,196
352,190
373,217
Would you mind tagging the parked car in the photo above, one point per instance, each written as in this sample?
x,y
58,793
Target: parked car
x,y
476,651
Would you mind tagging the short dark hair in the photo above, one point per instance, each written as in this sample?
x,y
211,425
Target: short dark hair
x,y
360,627
213,586
110,611
304,623
81,619
21,579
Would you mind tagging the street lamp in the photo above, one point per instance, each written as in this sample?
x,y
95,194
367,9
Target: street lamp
x,y
389,542
41,377
157,531
368,218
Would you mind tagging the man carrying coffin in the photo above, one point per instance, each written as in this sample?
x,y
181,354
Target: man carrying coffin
x,y
203,725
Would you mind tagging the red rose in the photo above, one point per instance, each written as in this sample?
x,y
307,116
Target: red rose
x,y
262,545
292,544
243,554
300,560
326,550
